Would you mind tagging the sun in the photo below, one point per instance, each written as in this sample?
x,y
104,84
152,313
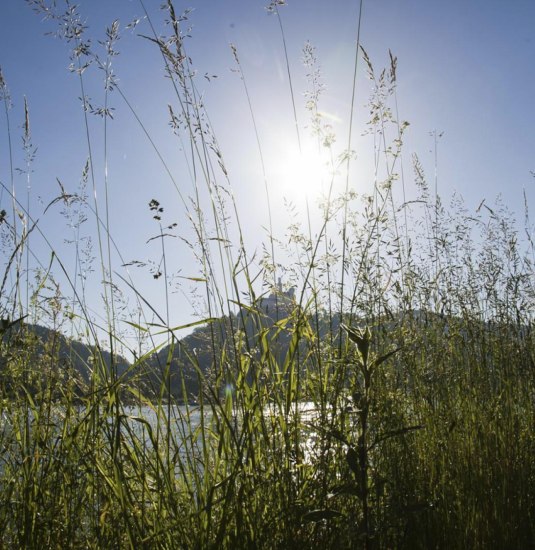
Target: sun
x,y
304,172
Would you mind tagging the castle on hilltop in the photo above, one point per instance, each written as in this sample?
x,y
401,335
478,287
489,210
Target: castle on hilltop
x,y
279,303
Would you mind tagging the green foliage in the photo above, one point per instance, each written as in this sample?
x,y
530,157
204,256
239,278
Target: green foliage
x,y
386,403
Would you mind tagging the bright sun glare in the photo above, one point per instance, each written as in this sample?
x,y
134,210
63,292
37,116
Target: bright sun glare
x,y
302,173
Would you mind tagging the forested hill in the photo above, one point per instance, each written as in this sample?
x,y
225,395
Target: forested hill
x,y
210,349
52,355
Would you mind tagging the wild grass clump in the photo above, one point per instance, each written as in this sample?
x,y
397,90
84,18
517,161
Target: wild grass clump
x,y
385,401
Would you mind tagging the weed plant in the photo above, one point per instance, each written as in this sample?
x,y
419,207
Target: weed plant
x,y
388,403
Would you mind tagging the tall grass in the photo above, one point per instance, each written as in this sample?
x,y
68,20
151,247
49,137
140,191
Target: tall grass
x,y
401,419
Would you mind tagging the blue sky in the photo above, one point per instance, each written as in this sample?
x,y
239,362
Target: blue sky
x,y
464,68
